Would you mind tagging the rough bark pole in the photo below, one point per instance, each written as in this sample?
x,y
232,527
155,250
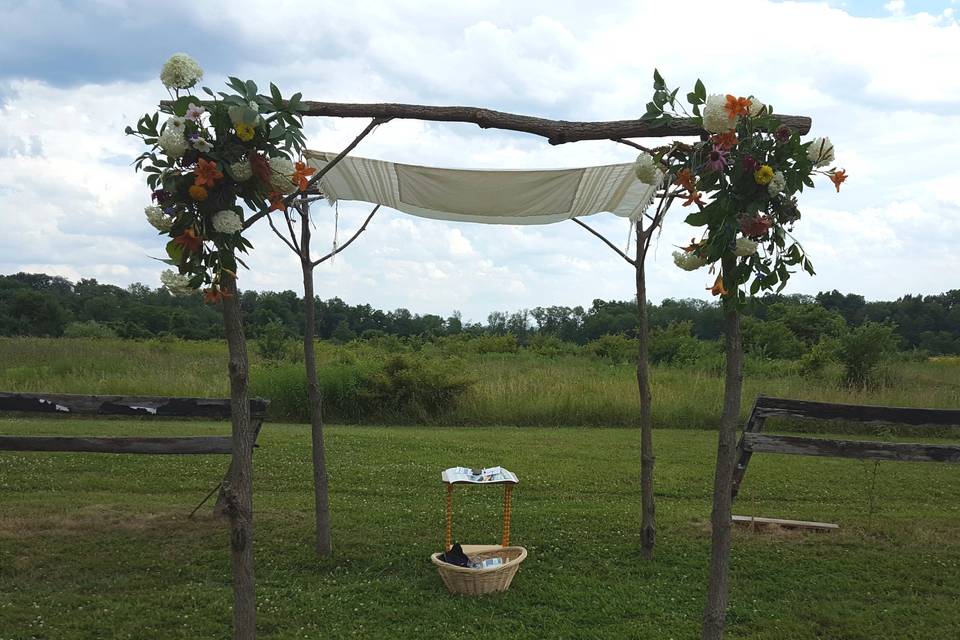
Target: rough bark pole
x,y
239,493
320,479
648,524
715,613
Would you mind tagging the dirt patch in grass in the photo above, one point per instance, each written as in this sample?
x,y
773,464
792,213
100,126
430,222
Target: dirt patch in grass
x,y
91,518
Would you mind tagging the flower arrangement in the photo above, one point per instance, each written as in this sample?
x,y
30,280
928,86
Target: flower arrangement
x,y
207,160
743,178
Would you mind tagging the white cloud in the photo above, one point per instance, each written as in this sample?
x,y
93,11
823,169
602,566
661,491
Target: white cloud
x,y
71,204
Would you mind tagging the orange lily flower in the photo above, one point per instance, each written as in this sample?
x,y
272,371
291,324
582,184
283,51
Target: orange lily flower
x,y
301,175
837,178
694,198
685,179
215,294
189,240
207,173
737,106
718,289
276,201
725,140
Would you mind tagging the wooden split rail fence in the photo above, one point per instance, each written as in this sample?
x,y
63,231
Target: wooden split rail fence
x,y
753,441
146,407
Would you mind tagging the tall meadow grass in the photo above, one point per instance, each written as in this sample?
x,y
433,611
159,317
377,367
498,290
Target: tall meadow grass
x,y
521,389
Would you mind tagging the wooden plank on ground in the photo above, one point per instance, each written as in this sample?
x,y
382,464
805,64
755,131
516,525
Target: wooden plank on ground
x,y
147,406
864,450
783,407
190,445
787,524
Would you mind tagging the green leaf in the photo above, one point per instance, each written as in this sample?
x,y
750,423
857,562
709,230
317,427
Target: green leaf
x,y
658,82
700,90
251,89
275,92
175,251
180,106
697,218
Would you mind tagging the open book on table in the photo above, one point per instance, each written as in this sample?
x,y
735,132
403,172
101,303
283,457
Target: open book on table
x,y
490,475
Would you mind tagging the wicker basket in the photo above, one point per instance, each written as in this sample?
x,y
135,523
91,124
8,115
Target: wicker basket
x,y
477,582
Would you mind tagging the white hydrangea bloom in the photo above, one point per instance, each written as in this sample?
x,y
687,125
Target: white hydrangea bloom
x,y
777,184
715,117
175,283
175,123
281,177
227,221
647,170
745,247
172,142
157,219
241,170
180,72
820,152
688,260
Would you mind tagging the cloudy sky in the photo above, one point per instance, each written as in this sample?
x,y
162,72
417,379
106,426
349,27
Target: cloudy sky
x,y
878,78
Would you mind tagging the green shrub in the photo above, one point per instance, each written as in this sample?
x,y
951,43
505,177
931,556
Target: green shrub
x,y
274,342
401,388
551,346
616,347
862,350
88,329
815,361
770,339
674,344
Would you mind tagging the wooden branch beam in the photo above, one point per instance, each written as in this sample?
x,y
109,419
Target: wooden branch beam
x,y
862,450
149,406
555,131
190,445
782,407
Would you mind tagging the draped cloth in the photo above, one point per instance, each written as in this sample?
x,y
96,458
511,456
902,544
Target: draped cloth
x,y
492,197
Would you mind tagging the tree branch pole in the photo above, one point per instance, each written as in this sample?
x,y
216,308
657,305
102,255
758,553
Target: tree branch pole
x,y
321,485
239,492
648,525
715,612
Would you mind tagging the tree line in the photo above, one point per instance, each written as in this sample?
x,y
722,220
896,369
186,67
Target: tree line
x,y
36,304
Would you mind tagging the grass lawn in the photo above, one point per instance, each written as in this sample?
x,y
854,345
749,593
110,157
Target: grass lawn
x,y
98,546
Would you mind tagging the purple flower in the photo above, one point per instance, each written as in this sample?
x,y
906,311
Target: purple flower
x,y
750,164
717,159
783,133
160,196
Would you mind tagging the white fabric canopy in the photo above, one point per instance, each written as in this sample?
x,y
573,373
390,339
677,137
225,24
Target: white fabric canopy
x,y
493,197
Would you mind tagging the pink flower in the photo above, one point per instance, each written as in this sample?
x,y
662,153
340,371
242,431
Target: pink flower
x,y
194,112
717,159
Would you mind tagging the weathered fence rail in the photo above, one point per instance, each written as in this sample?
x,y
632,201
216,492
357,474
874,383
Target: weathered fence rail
x,y
752,441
